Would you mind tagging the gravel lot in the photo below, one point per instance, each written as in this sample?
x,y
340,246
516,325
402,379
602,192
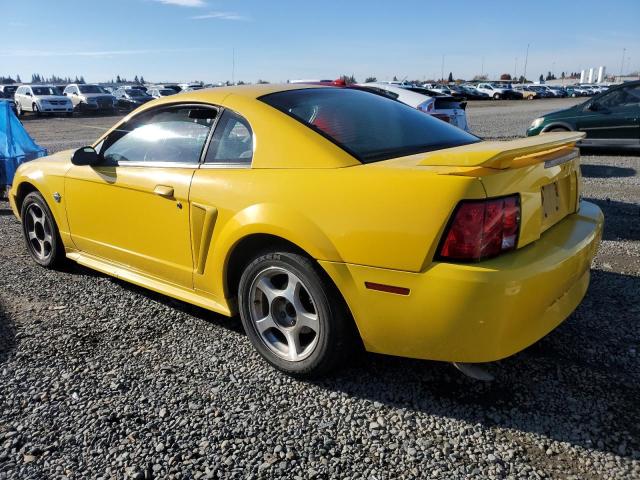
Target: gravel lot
x,y
100,379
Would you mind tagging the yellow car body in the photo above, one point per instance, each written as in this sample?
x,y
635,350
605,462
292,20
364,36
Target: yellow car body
x,y
377,223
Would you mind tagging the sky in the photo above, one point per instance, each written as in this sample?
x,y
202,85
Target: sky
x,y
187,40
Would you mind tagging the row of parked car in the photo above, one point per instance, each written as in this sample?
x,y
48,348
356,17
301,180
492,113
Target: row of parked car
x,y
509,91
76,97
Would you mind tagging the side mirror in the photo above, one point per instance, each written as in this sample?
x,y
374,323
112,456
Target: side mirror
x,y
85,156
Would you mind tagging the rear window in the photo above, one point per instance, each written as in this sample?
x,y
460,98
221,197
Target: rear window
x,y
368,126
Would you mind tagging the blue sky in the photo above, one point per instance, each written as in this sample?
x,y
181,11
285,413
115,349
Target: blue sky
x,y
184,40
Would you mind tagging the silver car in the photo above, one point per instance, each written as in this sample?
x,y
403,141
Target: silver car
x,y
41,99
90,98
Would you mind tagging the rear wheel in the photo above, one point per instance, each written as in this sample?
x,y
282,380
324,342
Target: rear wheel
x,y
35,109
19,110
41,232
496,96
293,315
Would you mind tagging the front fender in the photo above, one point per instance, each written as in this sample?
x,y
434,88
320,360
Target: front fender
x,y
46,175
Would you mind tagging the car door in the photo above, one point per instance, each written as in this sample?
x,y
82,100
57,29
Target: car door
x,y
214,200
133,208
612,119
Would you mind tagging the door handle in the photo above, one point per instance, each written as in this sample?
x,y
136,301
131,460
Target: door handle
x,y
164,191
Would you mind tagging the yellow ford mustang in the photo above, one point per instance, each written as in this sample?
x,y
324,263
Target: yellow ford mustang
x,y
326,217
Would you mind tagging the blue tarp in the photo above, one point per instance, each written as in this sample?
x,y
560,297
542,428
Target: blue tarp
x,y
16,146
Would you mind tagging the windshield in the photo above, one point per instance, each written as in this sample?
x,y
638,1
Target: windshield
x,y
91,89
45,91
369,127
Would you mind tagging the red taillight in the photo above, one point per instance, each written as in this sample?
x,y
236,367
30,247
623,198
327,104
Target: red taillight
x,y
482,229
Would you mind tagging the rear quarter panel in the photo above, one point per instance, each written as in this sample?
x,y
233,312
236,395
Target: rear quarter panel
x,y
368,215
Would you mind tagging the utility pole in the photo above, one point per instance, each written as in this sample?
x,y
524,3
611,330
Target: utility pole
x,y
515,69
482,69
526,59
233,68
624,50
442,70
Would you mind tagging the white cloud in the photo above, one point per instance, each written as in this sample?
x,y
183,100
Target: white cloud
x,y
221,16
183,3
97,53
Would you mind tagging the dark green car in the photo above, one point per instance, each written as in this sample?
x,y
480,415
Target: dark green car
x,y
610,119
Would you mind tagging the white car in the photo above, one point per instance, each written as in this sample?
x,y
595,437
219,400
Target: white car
x,y
494,91
449,111
440,89
87,97
158,92
41,99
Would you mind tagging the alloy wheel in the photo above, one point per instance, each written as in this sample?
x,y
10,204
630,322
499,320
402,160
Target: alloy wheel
x,y
39,233
284,314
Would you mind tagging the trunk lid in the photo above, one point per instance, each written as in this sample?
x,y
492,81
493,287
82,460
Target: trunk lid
x,y
544,170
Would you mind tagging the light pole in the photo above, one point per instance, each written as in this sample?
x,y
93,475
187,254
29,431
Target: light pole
x,y
624,50
526,59
442,70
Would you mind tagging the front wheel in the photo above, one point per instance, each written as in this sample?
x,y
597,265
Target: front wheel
x,y
35,109
19,110
41,232
294,315
496,96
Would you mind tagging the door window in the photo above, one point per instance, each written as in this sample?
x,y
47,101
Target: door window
x,y
621,98
232,142
172,135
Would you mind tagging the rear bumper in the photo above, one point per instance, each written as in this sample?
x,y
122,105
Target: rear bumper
x,y
476,312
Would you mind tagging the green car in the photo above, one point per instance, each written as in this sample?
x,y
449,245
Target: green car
x,y
610,119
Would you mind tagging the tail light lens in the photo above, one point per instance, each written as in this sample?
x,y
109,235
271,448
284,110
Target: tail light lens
x,y
482,229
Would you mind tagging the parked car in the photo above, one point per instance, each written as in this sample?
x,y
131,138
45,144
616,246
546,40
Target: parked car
x,y
41,99
610,119
541,91
558,90
8,91
161,92
189,87
440,89
576,91
527,93
395,231
6,94
90,98
496,91
449,111
130,98
472,93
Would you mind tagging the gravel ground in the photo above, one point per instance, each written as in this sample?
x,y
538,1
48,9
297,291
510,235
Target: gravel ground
x,y
100,379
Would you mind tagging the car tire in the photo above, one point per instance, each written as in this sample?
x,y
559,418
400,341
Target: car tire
x,y
496,96
557,129
293,314
41,232
35,109
19,111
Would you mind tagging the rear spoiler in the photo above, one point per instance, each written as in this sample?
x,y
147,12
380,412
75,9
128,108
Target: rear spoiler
x,y
501,154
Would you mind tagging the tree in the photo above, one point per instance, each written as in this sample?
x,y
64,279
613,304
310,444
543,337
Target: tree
x,y
348,79
480,78
395,79
135,80
541,78
240,82
262,82
450,77
505,76
118,79
142,80
370,79
562,76
18,79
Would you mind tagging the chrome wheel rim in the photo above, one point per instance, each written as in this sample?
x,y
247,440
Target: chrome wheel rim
x,y
39,233
284,314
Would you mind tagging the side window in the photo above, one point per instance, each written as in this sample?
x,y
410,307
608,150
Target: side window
x,y
613,99
175,135
232,141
